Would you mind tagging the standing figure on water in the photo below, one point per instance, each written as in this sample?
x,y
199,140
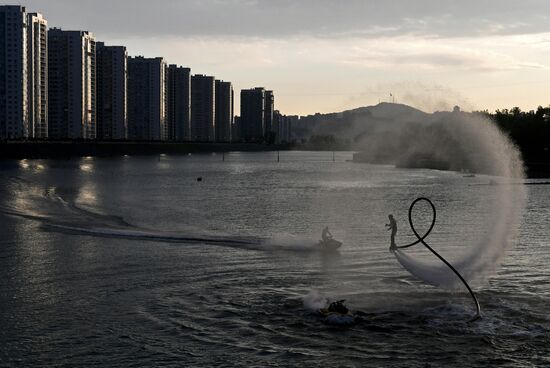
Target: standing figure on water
x,y
393,227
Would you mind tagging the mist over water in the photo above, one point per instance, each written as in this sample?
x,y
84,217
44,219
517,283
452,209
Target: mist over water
x,y
466,143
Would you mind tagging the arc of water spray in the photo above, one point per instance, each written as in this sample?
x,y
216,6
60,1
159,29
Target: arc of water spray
x,y
421,239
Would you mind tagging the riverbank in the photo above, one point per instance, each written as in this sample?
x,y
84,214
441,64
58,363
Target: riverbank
x,y
535,167
67,149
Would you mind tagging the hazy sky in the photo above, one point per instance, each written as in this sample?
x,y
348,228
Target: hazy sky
x,y
326,56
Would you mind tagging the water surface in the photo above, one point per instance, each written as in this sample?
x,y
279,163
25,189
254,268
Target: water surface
x,y
133,262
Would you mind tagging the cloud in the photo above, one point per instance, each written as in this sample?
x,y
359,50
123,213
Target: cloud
x,y
319,54
289,18
424,61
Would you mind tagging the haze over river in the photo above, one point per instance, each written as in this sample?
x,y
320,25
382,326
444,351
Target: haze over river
x,y
134,262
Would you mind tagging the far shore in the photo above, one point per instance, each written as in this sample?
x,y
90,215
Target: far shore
x,y
69,149
535,168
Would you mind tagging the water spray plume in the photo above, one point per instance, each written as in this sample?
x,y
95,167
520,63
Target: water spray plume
x,y
314,301
468,142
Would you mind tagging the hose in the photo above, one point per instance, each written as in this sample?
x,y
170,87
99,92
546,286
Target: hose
x,y
421,239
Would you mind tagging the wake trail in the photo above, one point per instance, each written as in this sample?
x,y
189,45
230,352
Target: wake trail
x,y
57,214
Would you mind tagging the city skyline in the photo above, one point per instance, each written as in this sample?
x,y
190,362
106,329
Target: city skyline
x,y
96,91
431,55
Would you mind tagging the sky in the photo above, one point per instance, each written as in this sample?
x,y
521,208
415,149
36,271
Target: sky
x,y
328,56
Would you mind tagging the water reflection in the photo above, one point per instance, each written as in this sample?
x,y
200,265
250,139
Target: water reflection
x,y
24,164
36,166
87,194
164,162
87,190
33,258
87,164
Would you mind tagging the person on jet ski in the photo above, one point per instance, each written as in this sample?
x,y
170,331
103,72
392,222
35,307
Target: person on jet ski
x,y
338,307
326,236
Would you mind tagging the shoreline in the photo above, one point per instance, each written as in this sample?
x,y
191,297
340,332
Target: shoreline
x,y
70,149
17,150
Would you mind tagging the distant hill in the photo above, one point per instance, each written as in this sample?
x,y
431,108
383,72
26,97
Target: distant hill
x,y
352,124
385,110
401,135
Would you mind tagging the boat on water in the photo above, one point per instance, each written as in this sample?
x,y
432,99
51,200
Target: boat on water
x,y
337,313
329,245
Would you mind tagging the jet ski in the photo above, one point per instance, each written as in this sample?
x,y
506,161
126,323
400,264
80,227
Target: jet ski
x,y
337,314
329,244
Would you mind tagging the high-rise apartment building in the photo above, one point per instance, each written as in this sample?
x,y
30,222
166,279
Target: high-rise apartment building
x,y
179,103
282,127
14,121
203,108
278,123
72,84
236,130
147,99
253,114
112,90
37,75
268,112
224,111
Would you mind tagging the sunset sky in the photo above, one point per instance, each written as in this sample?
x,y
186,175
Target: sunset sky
x,y
326,56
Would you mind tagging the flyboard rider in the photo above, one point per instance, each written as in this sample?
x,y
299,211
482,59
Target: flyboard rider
x,y
393,227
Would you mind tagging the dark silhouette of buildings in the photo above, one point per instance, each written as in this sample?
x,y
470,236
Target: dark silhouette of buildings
x,y
282,127
23,74
14,122
179,103
203,108
268,116
112,88
257,114
63,85
72,84
224,111
252,121
37,75
147,99
236,130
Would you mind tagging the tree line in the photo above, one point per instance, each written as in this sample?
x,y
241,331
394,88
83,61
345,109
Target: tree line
x,y
529,130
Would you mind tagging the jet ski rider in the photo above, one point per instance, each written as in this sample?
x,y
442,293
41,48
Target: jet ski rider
x,y
326,236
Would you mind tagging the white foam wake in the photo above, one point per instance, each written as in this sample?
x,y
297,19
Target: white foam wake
x,y
429,272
